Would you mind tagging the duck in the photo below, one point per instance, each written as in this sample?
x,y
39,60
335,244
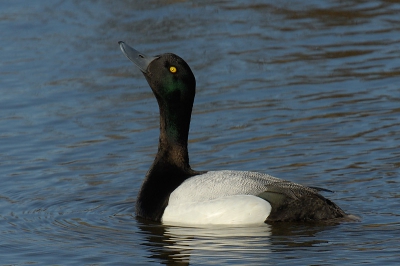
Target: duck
x,y
175,194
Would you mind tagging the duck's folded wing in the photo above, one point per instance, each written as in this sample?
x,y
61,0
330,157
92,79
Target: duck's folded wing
x,y
305,207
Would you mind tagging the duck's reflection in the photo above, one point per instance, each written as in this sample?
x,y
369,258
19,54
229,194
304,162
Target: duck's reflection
x,y
250,245
175,245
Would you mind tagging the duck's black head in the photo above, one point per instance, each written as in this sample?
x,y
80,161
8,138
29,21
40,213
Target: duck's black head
x,y
171,79
167,74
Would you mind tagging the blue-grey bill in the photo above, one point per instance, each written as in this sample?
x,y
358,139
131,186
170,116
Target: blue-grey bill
x,y
139,59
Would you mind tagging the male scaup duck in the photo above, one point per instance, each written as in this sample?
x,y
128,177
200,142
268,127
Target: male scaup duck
x,y
174,193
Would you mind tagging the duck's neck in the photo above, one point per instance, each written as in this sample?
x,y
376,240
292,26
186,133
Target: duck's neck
x,y
174,132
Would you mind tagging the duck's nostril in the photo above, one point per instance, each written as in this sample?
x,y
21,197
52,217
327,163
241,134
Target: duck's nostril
x,y
141,56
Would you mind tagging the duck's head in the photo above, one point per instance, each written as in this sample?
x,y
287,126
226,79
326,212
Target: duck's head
x,y
168,75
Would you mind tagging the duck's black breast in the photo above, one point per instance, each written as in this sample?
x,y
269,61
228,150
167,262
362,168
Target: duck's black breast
x,y
161,180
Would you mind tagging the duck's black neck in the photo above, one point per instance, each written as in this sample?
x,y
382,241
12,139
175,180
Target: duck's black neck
x,y
174,133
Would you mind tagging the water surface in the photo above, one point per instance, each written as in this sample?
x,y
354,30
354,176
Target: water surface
x,y
308,92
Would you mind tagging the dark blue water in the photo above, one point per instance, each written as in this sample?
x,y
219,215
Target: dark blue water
x,y
304,91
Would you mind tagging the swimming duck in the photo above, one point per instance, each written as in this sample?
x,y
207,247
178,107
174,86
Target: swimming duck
x,y
174,193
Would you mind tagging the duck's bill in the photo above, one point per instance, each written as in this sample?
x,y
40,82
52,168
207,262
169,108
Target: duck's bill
x,y
139,59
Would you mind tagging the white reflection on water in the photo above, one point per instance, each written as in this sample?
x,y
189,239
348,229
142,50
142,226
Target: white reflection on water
x,y
213,244
216,239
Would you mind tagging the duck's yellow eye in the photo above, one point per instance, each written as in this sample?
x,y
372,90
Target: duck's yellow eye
x,y
172,69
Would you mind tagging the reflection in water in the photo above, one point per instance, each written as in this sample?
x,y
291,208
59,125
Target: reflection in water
x,y
184,245
291,235
174,244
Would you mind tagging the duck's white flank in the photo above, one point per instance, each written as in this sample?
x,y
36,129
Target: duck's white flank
x,y
219,197
234,210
